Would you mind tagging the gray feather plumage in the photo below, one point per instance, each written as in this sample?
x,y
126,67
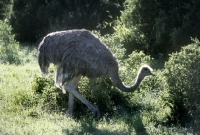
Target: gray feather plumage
x,y
76,52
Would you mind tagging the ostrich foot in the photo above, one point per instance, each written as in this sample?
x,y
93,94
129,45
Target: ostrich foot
x,y
97,115
68,115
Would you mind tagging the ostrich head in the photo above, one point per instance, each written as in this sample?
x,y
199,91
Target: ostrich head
x,y
145,70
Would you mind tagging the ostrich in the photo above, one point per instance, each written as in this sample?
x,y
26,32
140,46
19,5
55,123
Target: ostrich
x,y
79,53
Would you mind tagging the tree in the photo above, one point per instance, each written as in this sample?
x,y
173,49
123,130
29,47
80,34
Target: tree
x,y
159,27
32,19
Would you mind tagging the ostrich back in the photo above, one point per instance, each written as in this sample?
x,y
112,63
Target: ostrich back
x,y
77,52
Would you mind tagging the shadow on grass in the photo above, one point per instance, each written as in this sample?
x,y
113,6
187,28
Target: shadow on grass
x,y
90,127
131,122
133,125
140,129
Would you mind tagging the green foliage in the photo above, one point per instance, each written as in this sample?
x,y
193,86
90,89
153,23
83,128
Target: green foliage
x,y
9,48
100,92
5,8
33,19
183,75
131,65
134,25
158,27
114,43
48,96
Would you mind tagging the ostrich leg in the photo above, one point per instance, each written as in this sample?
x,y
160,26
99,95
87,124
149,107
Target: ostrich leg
x,y
70,104
71,88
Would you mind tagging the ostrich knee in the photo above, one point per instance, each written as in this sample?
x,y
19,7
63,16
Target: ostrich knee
x,y
90,106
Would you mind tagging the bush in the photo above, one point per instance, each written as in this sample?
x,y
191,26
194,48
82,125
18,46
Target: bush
x,y
49,97
114,43
9,48
183,75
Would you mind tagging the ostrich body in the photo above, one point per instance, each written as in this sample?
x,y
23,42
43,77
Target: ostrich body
x,y
79,53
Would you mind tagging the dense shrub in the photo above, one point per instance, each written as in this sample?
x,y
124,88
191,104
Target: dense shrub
x,y
9,48
114,43
48,96
183,75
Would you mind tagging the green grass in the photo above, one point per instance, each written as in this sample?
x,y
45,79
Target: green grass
x,y
21,114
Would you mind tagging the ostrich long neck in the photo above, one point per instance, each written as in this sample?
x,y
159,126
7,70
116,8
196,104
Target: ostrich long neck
x,y
118,83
